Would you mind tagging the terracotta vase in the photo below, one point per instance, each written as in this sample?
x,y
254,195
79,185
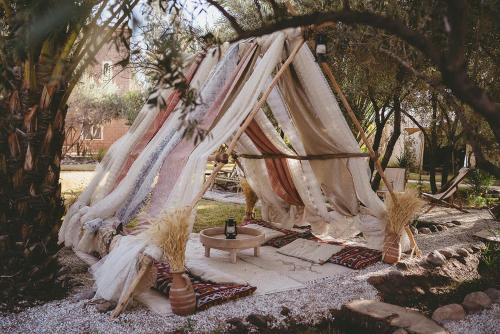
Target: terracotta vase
x,y
181,295
392,248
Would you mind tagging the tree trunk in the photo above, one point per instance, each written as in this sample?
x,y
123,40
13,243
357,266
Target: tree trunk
x,y
446,168
31,205
392,141
433,145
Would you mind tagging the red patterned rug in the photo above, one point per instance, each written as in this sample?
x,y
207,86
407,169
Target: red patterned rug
x,y
207,293
356,257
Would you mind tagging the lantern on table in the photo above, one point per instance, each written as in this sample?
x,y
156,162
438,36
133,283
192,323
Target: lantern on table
x,y
230,228
320,48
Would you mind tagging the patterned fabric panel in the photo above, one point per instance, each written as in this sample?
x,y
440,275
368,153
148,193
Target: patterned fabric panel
x,y
207,293
356,257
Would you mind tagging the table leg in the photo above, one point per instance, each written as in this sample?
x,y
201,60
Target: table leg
x,y
207,251
256,251
233,255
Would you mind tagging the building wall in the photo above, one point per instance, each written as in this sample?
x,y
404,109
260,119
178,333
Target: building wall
x,y
111,132
124,80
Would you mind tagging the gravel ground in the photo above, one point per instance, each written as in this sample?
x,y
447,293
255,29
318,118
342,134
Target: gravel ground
x,y
484,322
308,305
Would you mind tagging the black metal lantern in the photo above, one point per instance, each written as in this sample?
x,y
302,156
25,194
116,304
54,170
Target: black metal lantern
x,y
320,48
230,229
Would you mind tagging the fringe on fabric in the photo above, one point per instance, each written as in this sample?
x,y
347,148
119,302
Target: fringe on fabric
x,y
170,232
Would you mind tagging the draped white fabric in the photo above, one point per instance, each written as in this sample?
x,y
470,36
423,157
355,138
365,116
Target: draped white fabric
x,y
191,179
106,207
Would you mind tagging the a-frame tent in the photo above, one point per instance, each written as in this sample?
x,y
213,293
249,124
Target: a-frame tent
x,y
315,174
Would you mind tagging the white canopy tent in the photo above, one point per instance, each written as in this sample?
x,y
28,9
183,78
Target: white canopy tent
x,y
315,174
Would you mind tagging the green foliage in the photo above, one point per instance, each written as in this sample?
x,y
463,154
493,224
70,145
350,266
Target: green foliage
x,y
95,102
490,257
480,182
100,154
477,195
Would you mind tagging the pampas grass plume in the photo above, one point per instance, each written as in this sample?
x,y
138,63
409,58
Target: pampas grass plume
x,y
400,214
170,232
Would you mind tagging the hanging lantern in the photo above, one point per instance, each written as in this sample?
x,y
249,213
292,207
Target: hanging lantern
x,y
320,48
230,228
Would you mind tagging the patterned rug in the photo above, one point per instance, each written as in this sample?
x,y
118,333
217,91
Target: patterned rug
x,y
354,257
207,293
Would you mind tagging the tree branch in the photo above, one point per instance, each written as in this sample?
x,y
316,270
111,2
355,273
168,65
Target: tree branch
x,y
232,20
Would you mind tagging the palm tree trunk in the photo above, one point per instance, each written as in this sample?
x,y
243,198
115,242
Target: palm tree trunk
x,y
31,206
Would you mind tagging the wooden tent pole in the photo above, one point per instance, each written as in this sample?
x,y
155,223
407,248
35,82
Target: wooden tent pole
x,y
247,121
327,70
357,124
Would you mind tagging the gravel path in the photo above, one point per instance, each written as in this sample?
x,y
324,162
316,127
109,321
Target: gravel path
x,y
308,305
484,322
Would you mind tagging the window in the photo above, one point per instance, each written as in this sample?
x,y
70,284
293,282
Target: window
x,y
92,132
107,71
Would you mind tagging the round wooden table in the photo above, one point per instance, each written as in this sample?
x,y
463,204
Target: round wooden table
x,y
247,238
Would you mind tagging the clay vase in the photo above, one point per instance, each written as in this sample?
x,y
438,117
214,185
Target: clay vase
x,y
392,248
181,295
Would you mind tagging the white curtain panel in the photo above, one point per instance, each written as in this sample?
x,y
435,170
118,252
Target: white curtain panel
x,y
274,209
322,221
80,212
208,94
148,162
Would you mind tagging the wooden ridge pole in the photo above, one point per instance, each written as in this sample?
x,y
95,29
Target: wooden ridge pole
x,y
327,70
303,157
247,121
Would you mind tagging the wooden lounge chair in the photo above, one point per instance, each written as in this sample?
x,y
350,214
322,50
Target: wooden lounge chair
x,y
397,178
228,179
445,197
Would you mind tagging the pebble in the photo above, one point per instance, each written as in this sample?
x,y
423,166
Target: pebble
x,y
494,295
476,301
456,222
424,230
105,306
446,253
462,252
400,331
449,312
435,257
395,273
450,225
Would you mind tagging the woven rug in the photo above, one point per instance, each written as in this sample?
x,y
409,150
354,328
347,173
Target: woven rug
x,y
356,257
207,293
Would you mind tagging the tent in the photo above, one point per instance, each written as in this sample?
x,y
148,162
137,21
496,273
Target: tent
x,y
314,175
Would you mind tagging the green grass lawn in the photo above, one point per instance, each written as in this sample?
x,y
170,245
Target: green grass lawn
x,y
212,213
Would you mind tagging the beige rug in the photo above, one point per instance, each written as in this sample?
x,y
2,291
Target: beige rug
x,y
271,272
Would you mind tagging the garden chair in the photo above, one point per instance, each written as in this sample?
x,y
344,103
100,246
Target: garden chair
x,y
397,178
445,198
